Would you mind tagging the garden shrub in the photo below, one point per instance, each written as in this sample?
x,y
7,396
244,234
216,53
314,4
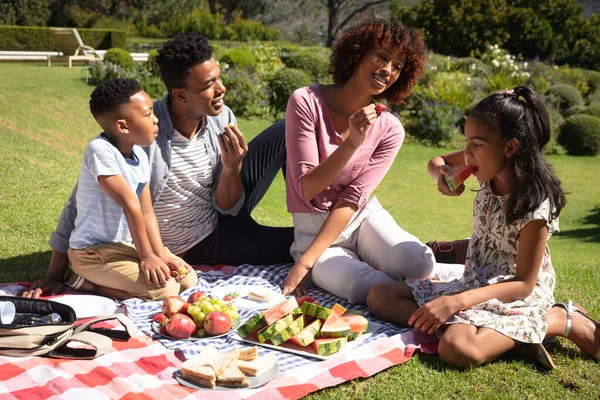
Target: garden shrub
x,y
312,63
593,97
580,109
282,83
103,71
593,80
151,64
246,30
434,122
151,82
205,23
245,94
573,76
594,109
580,135
564,96
238,58
120,57
556,120
505,71
452,88
33,38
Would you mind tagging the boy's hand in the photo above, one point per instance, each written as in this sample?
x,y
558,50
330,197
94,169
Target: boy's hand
x,y
296,280
233,148
443,187
179,268
155,270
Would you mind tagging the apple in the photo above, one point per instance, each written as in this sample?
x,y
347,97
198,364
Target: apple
x,y
172,305
161,318
181,326
195,296
217,322
184,309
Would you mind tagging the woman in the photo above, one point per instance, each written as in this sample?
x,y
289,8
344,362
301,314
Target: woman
x,y
338,150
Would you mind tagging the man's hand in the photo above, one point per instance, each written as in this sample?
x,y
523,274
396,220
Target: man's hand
x,y
359,124
179,268
45,286
433,314
155,270
233,148
443,187
297,279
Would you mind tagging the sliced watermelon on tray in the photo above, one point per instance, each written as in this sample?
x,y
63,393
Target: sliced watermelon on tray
x,y
280,310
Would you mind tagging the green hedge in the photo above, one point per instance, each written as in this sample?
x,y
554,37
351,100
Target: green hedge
x,y
31,38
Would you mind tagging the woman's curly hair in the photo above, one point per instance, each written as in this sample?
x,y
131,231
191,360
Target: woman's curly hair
x,y
350,47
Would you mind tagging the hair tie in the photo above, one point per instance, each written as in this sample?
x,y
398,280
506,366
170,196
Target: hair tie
x,y
507,92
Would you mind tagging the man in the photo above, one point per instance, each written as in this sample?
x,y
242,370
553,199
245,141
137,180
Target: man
x,y
205,180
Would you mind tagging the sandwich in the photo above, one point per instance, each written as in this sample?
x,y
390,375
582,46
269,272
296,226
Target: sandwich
x,y
233,377
249,353
198,369
221,361
257,366
258,294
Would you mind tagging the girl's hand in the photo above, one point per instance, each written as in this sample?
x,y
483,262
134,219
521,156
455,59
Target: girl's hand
x,y
179,268
443,187
359,124
297,279
433,314
155,270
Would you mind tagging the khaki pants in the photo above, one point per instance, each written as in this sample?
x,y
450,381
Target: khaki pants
x,y
117,266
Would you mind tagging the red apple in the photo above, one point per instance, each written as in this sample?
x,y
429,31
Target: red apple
x,y
194,297
181,326
184,308
161,318
217,322
172,305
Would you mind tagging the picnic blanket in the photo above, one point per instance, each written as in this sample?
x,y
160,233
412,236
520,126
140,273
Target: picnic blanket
x,y
144,366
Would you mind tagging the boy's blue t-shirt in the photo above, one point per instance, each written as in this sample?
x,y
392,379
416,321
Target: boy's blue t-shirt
x,y
100,219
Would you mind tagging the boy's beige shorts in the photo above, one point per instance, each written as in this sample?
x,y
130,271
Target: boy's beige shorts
x,y
117,266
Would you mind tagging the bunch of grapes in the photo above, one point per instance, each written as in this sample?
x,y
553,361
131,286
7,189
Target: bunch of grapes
x,y
207,304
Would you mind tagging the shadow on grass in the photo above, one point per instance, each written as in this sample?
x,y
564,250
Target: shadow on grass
x,y
24,268
588,234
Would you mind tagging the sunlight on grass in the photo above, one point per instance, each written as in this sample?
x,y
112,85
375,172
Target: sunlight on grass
x,y
45,125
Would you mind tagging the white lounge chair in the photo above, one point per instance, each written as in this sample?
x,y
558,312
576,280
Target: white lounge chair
x,y
70,44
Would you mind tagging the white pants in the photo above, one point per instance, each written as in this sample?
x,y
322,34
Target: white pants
x,y
372,249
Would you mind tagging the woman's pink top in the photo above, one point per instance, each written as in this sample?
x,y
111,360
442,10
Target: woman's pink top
x,y
311,138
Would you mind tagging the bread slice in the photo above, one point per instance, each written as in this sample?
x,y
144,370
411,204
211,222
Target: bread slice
x,y
202,375
258,294
232,376
204,358
223,360
249,353
257,366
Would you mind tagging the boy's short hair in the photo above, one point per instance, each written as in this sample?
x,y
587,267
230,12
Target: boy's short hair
x,y
112,94
178,56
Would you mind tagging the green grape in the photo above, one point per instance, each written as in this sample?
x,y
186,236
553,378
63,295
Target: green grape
x,y
207,307
220,302
214,300
193,310
217,307
201,333
200,316
233,314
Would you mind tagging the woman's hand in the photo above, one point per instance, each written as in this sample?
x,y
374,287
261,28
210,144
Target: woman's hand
x,y
433,314
179,268
443,187
297,279
359,124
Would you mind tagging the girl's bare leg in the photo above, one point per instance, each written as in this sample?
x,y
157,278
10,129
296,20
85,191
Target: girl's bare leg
x,y
392,301
584,332
467,346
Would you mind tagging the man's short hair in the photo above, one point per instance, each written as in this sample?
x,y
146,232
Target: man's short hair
x,y
112,94
179,55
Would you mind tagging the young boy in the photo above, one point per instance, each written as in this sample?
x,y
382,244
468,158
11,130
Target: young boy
x,y
114,209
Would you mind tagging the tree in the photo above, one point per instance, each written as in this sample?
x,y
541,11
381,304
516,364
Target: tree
x,y
230,9
24,12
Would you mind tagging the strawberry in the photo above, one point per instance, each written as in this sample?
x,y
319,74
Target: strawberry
x,y
160,318
380,107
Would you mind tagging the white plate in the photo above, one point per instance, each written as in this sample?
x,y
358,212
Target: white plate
x,y
156,329
255,381
88,305
243,302
308,351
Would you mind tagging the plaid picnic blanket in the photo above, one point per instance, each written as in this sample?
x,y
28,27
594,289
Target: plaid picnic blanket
x,y
144,367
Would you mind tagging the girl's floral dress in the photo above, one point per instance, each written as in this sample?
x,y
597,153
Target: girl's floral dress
x,y
491,258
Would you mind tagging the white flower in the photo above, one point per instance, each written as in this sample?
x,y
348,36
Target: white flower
x,y
226,66
496,63
525,64
468,79
473,66
503,63
434,68
527,74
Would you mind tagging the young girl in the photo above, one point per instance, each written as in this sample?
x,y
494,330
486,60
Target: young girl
x,y
339,147
505,296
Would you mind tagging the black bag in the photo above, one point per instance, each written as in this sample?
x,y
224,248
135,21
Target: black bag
x,y
26,336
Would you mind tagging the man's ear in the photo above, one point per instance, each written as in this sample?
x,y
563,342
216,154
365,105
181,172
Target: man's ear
x,y
122,126
511,147
179,94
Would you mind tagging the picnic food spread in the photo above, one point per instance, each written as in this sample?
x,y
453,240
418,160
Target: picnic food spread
x,y
200,316
230,369
304,322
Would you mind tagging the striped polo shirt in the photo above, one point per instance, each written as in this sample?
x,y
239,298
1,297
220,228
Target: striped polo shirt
x,y
184,210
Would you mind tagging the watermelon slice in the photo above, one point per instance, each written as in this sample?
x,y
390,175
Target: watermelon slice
x,y
459,175
308,334
303,299
358,325
334,326
271,330
327,347
315,310
289,332
280,310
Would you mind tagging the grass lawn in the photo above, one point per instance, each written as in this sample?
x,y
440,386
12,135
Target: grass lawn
x,y
45,125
